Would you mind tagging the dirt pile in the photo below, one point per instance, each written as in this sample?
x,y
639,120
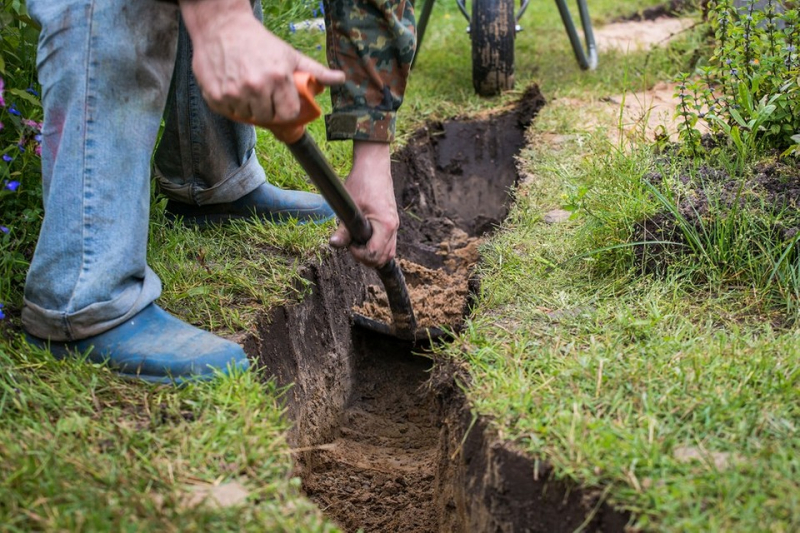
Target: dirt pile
x,y
438,296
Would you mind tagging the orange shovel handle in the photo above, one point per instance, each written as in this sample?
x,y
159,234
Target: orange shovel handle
x,y
307,88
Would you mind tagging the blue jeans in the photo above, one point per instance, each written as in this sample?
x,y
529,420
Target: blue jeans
x,y
105,70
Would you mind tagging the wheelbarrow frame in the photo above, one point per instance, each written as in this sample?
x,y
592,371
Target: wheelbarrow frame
x,y
493,47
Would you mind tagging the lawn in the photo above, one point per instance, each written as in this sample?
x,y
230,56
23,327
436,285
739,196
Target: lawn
x,y
672,384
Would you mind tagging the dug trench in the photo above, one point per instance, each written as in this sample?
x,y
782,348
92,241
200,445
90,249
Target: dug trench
x,y
383,437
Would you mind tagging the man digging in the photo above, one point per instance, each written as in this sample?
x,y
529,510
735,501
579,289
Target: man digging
x,y
109,72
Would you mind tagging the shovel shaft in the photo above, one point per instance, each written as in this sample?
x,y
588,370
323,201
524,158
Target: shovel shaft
x,y
313,161
404,323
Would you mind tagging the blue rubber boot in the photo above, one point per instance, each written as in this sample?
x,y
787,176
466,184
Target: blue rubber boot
x,y
268,202
157,347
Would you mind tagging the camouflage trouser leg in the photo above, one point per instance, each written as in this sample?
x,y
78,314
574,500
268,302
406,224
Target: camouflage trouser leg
x,y
373,42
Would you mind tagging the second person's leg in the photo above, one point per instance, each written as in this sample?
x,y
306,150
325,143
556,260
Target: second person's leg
x,y
206,164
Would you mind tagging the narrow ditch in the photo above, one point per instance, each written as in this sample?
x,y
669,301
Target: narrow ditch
x,y
385,440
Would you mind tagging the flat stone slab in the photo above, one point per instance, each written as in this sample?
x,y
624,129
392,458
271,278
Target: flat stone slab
x,y
557,216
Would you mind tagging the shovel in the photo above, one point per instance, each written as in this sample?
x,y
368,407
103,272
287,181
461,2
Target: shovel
x,y
311,158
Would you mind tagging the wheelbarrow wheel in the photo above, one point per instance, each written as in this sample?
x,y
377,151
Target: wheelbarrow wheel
x,y
492,31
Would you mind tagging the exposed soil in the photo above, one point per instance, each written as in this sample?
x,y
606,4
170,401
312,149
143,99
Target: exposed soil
x,y
377,474
379,445
773,191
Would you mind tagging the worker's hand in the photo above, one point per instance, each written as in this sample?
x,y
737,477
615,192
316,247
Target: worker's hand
x,y
244,71
370,185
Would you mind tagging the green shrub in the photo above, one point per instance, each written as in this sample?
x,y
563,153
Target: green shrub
x,y
20,134
748,91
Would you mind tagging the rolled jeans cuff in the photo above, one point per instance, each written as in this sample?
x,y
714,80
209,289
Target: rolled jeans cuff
x,y
94,319
244,180
366,125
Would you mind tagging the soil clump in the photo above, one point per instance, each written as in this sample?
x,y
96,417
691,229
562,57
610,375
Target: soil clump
x,y
771,193
439,297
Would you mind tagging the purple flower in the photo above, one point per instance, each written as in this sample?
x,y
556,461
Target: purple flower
x,y
4,229
2,86
319,47
38,138
21,147
7,158
32,91
12,185
2,314
38,150
13,110
292,27
321,8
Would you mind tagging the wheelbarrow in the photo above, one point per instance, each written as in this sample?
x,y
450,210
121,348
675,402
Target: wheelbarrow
x,y
492,28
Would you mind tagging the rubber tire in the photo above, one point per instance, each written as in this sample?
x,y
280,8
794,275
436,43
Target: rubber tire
x,y
492,32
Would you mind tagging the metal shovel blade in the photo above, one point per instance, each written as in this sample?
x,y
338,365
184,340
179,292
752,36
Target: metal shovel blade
x,y
418,335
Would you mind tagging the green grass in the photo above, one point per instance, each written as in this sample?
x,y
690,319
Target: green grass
x,y
81,450
673,391
613,376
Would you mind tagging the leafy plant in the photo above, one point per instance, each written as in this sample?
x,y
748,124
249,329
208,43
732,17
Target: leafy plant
x,y
748,92
20,149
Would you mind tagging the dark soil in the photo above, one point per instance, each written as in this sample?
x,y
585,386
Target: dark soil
x,y
772,193
379,445
672,8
